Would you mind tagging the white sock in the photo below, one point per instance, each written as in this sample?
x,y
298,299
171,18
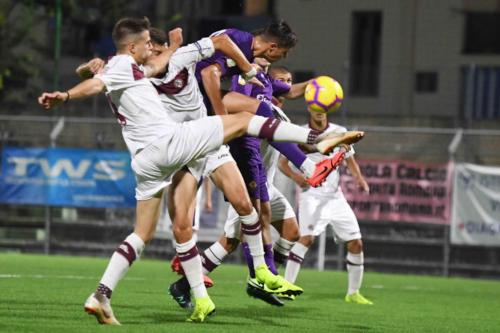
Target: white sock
x,y
128,251
191,263
251,230
212,257
283,246
308,167
355,270
295,258
275,130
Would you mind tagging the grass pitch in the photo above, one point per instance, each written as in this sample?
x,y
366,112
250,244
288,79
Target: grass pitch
x,y
46,294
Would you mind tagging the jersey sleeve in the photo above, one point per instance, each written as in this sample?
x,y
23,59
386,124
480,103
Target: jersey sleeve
x,y
190,54
242,39
280,87
120,74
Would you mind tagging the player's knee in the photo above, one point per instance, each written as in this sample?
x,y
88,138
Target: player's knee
x,y
182,228
355,246
242,205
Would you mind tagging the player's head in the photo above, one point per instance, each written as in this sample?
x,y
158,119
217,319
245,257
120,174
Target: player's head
x,y
159,41
131,36
281,73
274,41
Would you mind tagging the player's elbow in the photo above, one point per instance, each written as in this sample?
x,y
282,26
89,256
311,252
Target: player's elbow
x,y
220,41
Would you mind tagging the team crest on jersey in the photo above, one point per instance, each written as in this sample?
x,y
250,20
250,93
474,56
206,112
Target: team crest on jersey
x,y
252,185
178,83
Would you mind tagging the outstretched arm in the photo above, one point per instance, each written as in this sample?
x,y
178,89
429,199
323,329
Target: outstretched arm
x,y
84,89
157,65
297,90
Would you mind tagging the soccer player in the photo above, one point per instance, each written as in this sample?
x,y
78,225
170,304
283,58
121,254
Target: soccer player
x,y
319,207
160,147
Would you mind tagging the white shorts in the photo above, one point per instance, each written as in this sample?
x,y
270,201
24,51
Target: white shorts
x,y
155,164
316,212
203,167
280,210
280,207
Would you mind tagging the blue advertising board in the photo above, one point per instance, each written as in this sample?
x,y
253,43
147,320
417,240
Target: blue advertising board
x,y
67,177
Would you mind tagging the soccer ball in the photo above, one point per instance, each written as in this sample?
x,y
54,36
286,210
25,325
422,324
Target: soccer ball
x,y
323,94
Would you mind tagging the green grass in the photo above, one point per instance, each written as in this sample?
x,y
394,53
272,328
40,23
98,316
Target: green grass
x,y
46,294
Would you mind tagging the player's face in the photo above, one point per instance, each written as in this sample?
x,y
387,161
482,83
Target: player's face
x,y
283,77
141,47
317,116
275,53
157,49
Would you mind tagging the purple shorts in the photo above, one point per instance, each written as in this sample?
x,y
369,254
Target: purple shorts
x,y
246,153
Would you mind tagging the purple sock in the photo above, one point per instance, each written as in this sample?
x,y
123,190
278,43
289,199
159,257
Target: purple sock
x,y
248,258
290,151
269,258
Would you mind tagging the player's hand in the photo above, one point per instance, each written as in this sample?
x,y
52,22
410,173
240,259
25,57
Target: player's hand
x,y
208,206
301,181
96,65
53,99
175,37
364,185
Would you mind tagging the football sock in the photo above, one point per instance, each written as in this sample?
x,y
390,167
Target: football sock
x,y
248,259
251,230
355,270
295,259
276,130
212,257
191,263
290,151
308,167
269,258
282,249
128,251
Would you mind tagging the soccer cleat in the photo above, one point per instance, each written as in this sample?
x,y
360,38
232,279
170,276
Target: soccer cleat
x,y
181,294
358,299
325,167
276,283
325,143
203,308
256,289
286,297
176,266
101,309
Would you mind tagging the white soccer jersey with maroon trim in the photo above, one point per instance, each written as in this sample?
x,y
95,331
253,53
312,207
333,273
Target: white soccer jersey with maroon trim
x,y
178,88
135,103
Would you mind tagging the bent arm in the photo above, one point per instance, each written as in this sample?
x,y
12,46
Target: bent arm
x,y
210,76
158,64
225,44
297,177
89,69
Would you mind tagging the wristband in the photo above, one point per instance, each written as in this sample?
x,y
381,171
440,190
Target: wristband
x,y
250,74
67,96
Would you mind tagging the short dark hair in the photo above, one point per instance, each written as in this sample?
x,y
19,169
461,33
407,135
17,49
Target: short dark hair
x,y
128,26
280,32
278,69
158,36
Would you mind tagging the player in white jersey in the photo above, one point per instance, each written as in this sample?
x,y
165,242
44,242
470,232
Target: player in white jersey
x,y
160,147
320,207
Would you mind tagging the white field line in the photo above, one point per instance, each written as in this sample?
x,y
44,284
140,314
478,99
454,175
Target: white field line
x,y
63,277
